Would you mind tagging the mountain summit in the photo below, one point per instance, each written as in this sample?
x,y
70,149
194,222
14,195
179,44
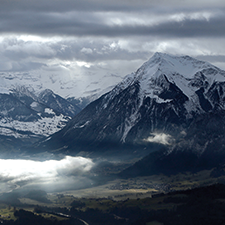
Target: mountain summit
x,y
163,101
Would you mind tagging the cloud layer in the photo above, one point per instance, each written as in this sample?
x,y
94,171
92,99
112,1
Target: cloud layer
x,y
87,38
66,172
160,138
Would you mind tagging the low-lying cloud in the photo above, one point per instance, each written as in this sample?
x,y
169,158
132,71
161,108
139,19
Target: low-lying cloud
x,y
160,138
51,174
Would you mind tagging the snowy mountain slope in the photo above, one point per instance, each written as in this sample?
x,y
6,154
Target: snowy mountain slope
x,y
186,73
66,86
201,147
184,85
57,103
163,98
44,103
24,115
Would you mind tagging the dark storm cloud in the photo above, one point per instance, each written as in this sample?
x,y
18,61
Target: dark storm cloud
x,y
60,6
96,31
215,27
93,51
84,5
96,18
83,50
91,25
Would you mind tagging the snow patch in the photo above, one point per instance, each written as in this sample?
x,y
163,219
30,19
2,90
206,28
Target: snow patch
x,y
83,125
34,104
45,126
49,111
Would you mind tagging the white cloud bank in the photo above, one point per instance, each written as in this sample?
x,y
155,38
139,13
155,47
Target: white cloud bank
x,y
64,173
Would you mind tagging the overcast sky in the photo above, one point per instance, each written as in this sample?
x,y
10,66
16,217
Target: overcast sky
x,y
82,36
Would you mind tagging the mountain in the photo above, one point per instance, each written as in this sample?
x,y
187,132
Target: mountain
x,y
26,117
201,148
176,101
57,103
82,89
35,105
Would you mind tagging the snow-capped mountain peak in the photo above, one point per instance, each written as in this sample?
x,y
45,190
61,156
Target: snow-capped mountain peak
x,y
166,90
177,101
185,65
170,65
186,73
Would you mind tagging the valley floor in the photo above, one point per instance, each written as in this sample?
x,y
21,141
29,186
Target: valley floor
x,y
148,186
196,198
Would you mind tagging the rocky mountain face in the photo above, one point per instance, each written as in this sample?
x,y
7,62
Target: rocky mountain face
x,y
27,117
176,101
36,105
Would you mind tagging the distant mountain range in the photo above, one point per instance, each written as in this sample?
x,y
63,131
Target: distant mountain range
x,y
171,111
87,87
34,106
176,101
28,117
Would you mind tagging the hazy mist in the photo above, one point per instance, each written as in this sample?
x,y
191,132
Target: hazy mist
x,y
50,175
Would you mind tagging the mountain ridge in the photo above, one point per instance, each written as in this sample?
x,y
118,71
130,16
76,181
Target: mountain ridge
x,y
156,101
28,117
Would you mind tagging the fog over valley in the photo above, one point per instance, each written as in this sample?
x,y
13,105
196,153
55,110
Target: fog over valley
x,y
50,175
